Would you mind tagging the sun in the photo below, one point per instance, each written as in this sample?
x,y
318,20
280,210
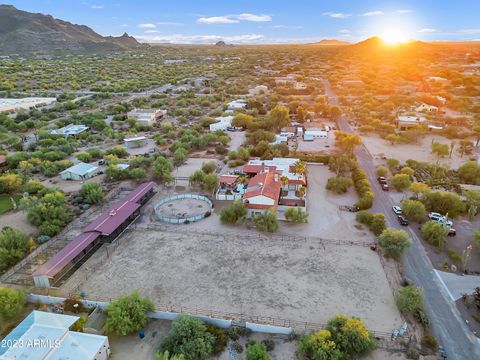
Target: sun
x,y
394,36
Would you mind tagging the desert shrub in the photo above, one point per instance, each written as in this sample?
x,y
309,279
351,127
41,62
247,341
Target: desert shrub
x,y
422,318
189,337
454,255
429,341
414,210
269,344
128,313
256,351
394,242
413,353
221,339
266,221
237,347
409,299
339,184
375,221
233,214
78,325
434,233
364,217
296,215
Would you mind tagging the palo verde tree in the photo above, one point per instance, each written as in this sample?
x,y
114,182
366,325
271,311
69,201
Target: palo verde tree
x,y
91,192
394,242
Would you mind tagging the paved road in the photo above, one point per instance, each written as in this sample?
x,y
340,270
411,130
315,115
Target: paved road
x,y
447,325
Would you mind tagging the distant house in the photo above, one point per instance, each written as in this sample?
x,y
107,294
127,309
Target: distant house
x,y
437,79
222,123
299,85
406,122
314,133
146,116
70,130
279,139
135,142
235,105
9,105
426,108
47,335
80,171
258,90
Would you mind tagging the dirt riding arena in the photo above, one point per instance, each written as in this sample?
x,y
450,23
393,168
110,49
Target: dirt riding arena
x,y
304,280
181,208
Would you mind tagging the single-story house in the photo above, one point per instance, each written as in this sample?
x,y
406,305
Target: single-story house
x,y
135,142
146,116
315,134
236,105
70,130
426,108
405,122
80,171
45,335
222,123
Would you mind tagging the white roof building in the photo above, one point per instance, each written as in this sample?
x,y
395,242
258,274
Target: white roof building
x,y
80,171
315,133
46,336
24,103
146,116
282,166
222,123
280,139
236,105
70,130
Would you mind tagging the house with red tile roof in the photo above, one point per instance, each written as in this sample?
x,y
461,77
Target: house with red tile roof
x,y
263,193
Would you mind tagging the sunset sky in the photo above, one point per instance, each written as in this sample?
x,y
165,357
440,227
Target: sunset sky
x,y
272,21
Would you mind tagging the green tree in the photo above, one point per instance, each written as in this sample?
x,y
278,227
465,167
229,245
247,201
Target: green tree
x,y
12,303
256,351
394,242
296,215
209,167
91,192
339,184
392,163
242,120
189,337
469,173
414,210
266,221
300,168
162,169
382,171
319,346
10,183
210,183
378,223
410,299
14,245
348,142
401,182
444,203
279,117
351,335
233,214
128,314
166,356
440,150
407,170
419,188
434,233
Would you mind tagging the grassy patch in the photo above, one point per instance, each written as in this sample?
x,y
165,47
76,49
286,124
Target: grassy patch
x,y
6,202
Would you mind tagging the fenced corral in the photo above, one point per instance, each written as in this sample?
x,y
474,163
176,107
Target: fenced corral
x,y
21,273
184,208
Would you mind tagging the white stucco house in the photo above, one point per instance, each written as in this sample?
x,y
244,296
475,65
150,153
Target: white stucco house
x,y
222,123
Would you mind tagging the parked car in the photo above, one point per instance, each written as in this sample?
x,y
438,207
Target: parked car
x,y
452,232
397,210
402,220
435,216
382,180
385,187
101,162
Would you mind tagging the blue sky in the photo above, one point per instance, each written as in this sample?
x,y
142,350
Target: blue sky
x,y
268,21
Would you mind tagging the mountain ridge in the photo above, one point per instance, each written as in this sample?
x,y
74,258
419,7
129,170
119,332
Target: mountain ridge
x,y
22,32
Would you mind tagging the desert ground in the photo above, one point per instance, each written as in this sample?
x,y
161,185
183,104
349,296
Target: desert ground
x,y
183,208
379,147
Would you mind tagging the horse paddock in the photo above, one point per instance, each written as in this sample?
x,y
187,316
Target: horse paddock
x,y
306,281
